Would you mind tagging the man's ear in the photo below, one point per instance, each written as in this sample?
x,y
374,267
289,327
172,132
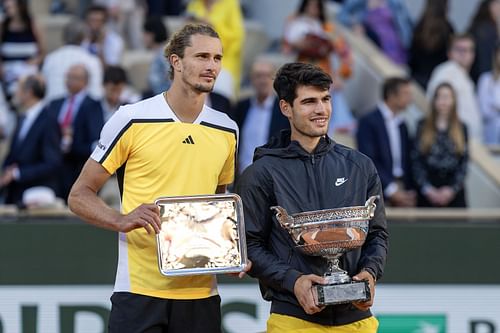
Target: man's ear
x,y
286,109
176,63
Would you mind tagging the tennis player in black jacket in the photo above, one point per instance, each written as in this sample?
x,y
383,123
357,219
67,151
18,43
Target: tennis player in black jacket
x,y
304,170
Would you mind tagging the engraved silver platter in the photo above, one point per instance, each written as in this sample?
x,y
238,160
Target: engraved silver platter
x,y
201,235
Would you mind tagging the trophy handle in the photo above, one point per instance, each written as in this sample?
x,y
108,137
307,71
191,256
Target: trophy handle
x,y
282,215
371,206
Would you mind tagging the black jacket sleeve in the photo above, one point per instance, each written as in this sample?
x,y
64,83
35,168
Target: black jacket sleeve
x,y
256,193
374,250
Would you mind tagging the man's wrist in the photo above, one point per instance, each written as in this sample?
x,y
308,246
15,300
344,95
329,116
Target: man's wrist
x,y
371,272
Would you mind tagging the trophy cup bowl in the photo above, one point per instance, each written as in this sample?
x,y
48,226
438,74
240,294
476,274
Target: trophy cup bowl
x,y
330,233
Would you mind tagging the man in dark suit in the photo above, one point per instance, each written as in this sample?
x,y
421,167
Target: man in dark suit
x,y
80,119
259,117
34,155
383,136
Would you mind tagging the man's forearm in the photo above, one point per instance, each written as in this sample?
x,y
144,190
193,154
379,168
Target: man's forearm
x,y
85,203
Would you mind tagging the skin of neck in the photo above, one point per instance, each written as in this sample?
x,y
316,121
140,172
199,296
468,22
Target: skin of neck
x,y
177,96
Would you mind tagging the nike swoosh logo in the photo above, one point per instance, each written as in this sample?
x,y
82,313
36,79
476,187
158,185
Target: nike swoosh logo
x,y
340,181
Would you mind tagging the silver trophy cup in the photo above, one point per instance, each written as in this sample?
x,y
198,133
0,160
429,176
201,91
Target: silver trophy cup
x,y
330,233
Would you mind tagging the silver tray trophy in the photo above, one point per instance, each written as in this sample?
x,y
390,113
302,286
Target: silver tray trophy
x,y
330,233
201,235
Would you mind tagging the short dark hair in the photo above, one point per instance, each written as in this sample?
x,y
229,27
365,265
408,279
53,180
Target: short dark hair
x,y
456,37
292,75
391,86
182,39
35,84
155,26
115,75
97,8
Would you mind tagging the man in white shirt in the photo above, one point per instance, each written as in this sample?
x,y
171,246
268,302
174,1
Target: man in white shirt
x,y
383,136
58,62
258,117
101,41
455,71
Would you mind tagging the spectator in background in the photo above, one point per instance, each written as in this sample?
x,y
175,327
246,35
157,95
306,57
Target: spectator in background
x,y
484,30
21,45
489,100
456,72
58,62
429,45
34,155
116,91
258,117
440,157
126,18
386,22
4,117
383,136
155,36
80,120
226,18
101,41
314,40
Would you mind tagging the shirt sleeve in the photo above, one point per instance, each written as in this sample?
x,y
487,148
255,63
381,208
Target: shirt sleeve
x,y
228,171
114,147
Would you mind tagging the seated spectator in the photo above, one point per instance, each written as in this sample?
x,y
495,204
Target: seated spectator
x,y
383,136
440,156
429,45
309,35
34,155
116,91
226,18
126,18
489,100
101,41
58,62
484,30
386,22
258,117
21,45
456,72
80,120
155,36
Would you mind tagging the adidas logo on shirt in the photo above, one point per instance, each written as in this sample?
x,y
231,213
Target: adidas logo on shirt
x,y
189,140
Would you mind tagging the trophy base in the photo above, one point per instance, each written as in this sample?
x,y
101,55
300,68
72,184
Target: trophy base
x,y
331,294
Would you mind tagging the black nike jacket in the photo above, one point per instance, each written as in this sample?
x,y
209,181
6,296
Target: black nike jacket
x,y
284,174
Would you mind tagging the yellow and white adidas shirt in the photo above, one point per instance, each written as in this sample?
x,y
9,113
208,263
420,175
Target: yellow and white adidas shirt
x,y
154,154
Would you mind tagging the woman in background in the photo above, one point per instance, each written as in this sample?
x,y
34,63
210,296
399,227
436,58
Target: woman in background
x,y
440,157
488,91
21,50
429,46
484,30
310,36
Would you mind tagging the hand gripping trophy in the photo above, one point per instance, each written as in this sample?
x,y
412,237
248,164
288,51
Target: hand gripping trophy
x,y
330,233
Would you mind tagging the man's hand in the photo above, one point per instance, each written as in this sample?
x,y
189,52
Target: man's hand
x,y
304,292
145,216
361,276
247,268
7,175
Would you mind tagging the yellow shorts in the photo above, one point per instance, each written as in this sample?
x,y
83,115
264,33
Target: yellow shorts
x,y
280,323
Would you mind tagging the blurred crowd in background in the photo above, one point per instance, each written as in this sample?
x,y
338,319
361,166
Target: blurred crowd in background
x,y
53,104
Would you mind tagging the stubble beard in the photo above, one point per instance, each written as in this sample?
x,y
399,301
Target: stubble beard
x,y
200,88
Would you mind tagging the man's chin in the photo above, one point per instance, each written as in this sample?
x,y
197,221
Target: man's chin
x,y
204,89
